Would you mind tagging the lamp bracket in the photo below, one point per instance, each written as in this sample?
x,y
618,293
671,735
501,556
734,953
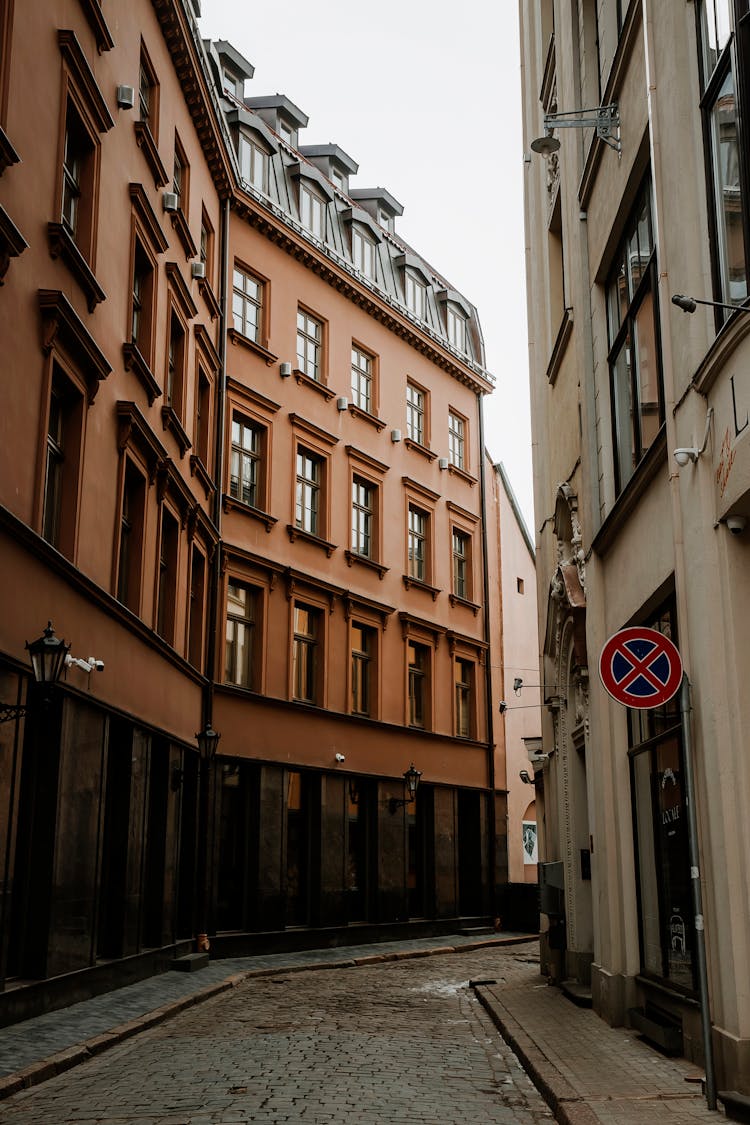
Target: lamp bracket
x,y
605,119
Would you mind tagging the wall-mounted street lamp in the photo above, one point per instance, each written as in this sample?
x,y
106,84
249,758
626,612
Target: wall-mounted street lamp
x,y
47,655
411,784
689,304
605,119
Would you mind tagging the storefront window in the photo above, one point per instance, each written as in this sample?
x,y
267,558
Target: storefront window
x,y
664,892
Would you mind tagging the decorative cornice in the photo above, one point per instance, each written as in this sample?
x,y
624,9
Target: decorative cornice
x,y
418,584
295,532
421,489
365,459
135,362
352,557
8,154
170,421
12,243
209,297
231,503
62,245
206,345
144,138
251,345
417,447
180,225
366,416
304,380
312,430
199,470
78,65
133,429
61,322
93,12
149,221
180,290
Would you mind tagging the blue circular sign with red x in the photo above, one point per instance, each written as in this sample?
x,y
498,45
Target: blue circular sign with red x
x,y
640,667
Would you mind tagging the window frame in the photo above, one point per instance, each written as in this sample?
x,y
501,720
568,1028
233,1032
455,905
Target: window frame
x,y
368,512
419,684
167,574
309,490
256,152
181,181
464,698
256,456
259,411
363,374
458,444
415,294
363,660
313,645
129,553
622,339
456,327
310,341
251,624
418,543
422,413
364,254
260,303
195,617
308,199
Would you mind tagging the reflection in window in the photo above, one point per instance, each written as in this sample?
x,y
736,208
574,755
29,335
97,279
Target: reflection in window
x,y
304,654
238,660
637,399
307,506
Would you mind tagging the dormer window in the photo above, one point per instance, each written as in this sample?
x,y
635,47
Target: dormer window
x,y
253,163
233,85
337,177
384,219
456,325
363,254
312,212
286,132
416,295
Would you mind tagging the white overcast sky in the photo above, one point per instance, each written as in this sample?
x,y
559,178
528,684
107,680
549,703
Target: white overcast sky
x,y
425,96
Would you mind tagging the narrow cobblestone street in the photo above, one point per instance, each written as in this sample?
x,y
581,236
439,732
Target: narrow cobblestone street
x,y
401,1042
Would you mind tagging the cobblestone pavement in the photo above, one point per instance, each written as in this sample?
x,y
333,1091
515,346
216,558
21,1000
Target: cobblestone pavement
x,y
399,1043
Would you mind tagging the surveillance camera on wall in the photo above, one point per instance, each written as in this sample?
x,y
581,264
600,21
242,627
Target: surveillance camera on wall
x,y
340,758
736,524
684,456
524,776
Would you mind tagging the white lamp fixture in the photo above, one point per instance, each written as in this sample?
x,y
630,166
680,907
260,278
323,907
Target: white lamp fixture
x,y
685,454
285,370
125,97
198,270
442,462
395,436
342,403
605,119
170,202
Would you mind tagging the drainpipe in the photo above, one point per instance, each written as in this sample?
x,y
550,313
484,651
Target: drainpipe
x,y
206,763
492,824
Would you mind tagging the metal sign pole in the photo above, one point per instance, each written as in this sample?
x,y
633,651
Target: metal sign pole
x,y
695,883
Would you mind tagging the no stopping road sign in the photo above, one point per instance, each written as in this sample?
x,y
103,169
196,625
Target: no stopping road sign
x,y
640,667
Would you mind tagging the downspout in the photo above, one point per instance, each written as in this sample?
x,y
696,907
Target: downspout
x,y
220,431
492,820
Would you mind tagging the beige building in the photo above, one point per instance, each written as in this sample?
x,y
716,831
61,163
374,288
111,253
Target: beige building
x,y
642,493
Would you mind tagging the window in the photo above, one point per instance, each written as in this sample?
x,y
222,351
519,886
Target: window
x,y
206,248
245,461
131,538
203,416
142,301
181,176
363,644
418,522
363,254
232,85
416,295
175,364
362,366
635,376
304,654
167,580
286,132
312,212
240,635
456,440
456,324
415,413
62,455
363,501
148,95
461,555
247,304
660,825
722,106
307,505
309,344
196,608
253,164
418,667
463,687
77,181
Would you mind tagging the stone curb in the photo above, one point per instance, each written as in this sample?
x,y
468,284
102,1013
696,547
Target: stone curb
x,y
38,1072
567,1106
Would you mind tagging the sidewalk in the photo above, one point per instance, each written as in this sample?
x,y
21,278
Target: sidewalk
x,y
589,1073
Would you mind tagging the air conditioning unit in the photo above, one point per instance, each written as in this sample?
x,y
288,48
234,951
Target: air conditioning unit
x,y
171,201
198,270
285,370
442,462
342,403
395,436
126,97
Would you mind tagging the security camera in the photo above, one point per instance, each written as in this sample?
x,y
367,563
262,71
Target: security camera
x,y
736,524
502,706
524,776
540,757
96,665
340,758
684,456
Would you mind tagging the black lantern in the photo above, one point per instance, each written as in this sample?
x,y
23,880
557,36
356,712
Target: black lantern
x,y
208,740
411,784
48,654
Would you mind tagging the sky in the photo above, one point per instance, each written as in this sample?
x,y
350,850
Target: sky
x,y
425,96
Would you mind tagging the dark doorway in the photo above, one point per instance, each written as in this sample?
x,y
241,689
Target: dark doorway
x,y
360,843
156,843
237,798
420,827
297,849
469,852
187,779
113,878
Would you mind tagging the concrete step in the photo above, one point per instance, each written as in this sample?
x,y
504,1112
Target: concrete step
x,y
736,1105
477,931
191,963
579,994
